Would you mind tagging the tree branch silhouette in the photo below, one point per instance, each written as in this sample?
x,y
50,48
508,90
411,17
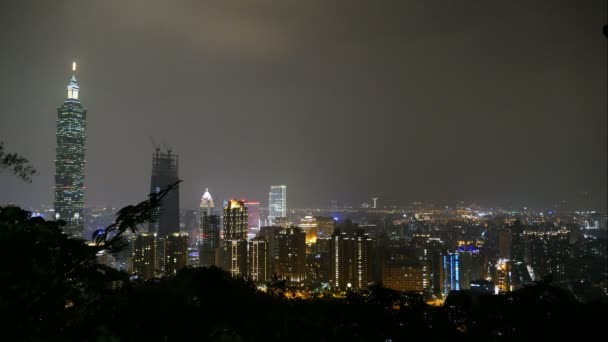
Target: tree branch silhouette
x,y
16,164
129,218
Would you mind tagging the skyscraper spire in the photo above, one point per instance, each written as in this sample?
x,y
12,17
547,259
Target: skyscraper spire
x,y
73,85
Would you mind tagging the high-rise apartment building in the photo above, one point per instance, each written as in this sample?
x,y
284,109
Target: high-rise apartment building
x,y
277,202
258,261
349,259
235,234
291,254
451,273
69,161
165,172
235,256
143,262
408,275
175,253
209,242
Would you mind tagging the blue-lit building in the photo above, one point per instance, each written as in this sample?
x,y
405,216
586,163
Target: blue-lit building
x,y
451,273
69,161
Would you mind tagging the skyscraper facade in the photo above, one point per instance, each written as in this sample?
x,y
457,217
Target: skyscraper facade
x,y
209,242
349,259
144,256
175,253
277,202
253,214
235,220
235,233
207,204
291,254
406,275
257,260
451,273
69,162
165,172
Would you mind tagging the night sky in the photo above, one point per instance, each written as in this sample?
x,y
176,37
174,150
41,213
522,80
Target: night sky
x,y
493,102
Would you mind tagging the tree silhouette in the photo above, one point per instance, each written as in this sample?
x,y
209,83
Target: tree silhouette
x,y
130,218
16,164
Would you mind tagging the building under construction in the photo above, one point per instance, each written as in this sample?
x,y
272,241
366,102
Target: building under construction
x,y
164,172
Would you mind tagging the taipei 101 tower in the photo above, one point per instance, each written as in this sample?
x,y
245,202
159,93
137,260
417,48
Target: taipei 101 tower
x,y
69,161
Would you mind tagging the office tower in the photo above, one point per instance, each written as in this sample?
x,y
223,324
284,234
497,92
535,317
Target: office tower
x,y
253,214
165,172
69,161
207,204
257,260
277,202
451,273
144,256
175,253
235,233
504,244
407,275
209,243
349,259
292,254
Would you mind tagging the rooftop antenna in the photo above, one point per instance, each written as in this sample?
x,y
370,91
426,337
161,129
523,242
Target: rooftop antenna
x,y
374,199
74,66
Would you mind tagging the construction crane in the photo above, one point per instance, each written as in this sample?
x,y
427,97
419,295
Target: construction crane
x,y
156,146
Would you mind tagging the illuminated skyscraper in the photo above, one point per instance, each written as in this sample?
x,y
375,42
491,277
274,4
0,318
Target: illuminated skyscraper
x,y
451,273
207,204
175,253
69,162
235,220
291,254
164,172
257,260
144,256
277,202
235,233
349,259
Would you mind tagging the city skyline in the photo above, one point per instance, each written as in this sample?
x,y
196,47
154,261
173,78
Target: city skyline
x,y
515,116
303,170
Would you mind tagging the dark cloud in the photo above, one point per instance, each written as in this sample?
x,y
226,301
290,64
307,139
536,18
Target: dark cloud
x,y
489,102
